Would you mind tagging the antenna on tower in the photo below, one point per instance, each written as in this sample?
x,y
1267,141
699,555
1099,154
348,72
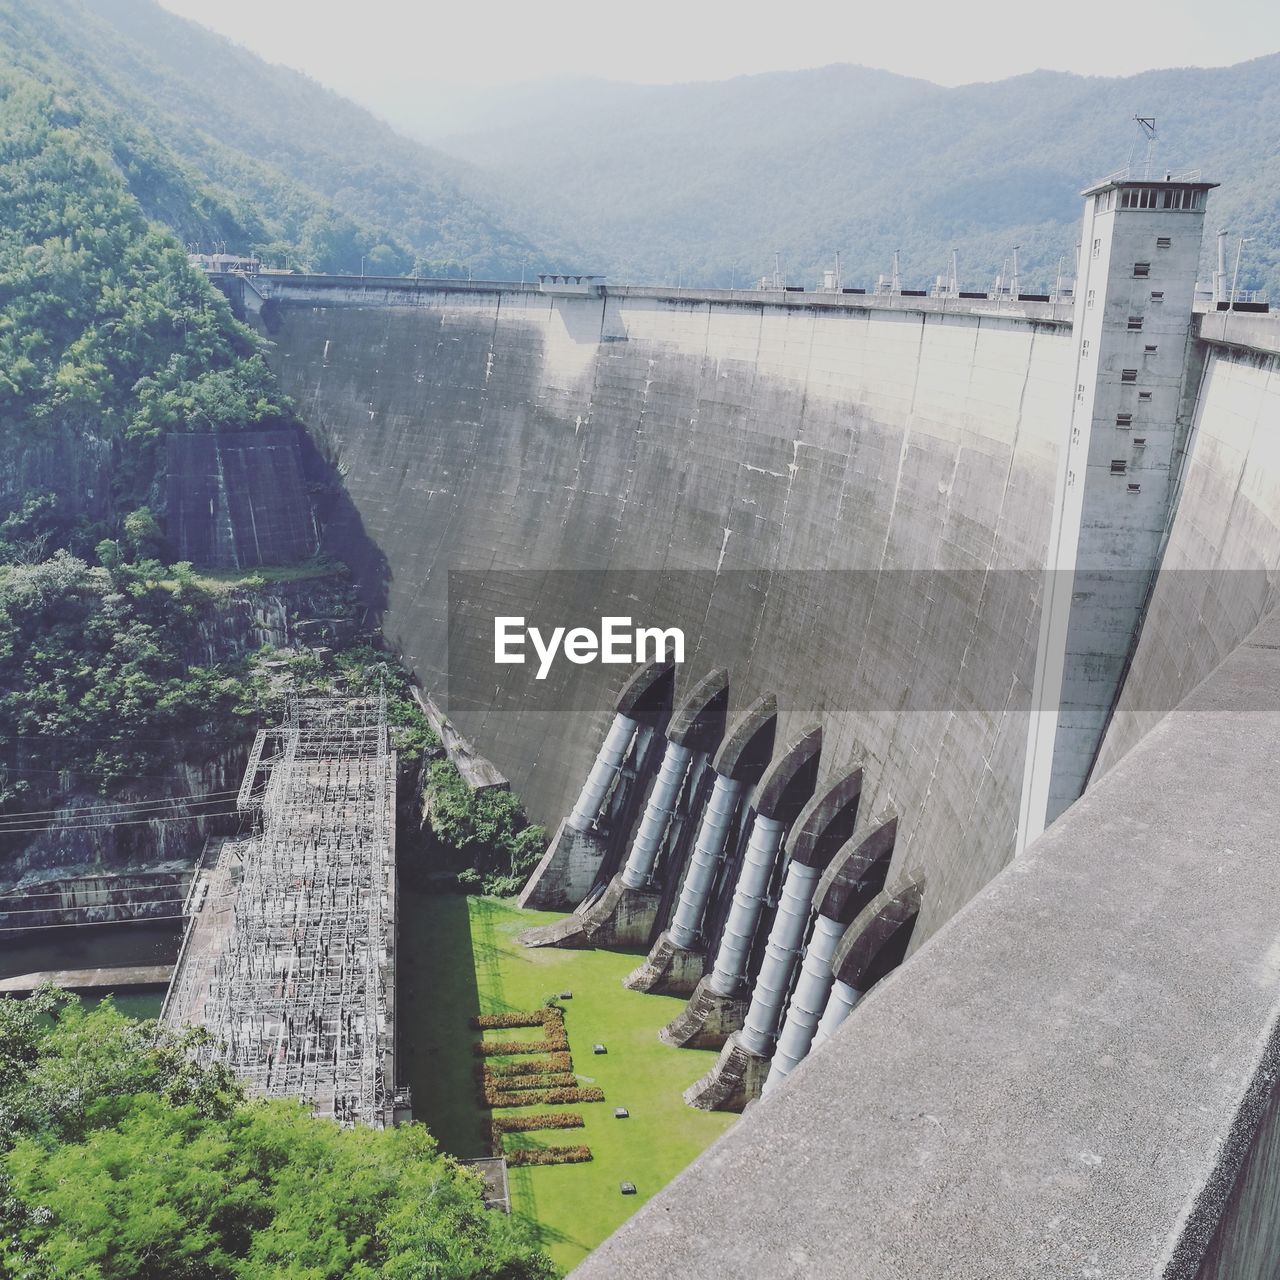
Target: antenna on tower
x,y
1147,127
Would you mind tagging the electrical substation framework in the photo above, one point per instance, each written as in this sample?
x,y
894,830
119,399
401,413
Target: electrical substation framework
x,y
288,959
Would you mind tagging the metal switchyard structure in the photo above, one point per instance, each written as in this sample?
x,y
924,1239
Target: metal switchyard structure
x,y
288,961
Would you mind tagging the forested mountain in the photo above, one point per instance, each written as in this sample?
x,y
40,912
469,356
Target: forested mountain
x,y
228,150
705,182
109,342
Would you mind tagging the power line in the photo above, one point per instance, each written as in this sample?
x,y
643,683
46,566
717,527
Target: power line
x,y
203,797
72,768
30,928
58,893
131,822
119,740
90,906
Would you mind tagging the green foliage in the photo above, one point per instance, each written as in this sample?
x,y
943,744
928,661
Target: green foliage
x,y
486,832
143,534
228,150
362,670
94,674
120,1159
107,336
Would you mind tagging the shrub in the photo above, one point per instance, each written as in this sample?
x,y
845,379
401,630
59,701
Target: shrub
x,y
540,1120
487,831
548,1155
554,1062
544,1080
501,1021
549,1097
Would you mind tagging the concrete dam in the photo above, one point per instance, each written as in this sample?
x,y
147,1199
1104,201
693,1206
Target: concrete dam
x,y
750,458
950,571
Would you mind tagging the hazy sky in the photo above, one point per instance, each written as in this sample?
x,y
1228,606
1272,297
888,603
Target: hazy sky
x,y
390,54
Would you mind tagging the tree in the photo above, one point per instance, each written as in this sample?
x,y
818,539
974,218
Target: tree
x,y
123,1159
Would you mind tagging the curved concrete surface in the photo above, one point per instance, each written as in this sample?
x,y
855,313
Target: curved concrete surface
x,y
769,458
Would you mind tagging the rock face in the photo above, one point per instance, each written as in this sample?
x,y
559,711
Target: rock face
x,y
234,625
70,461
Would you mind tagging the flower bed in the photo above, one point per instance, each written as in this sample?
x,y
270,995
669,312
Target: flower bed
x,y
502,1021
550,1020
548,1155
552,1063
540,1120
500,1125
530,1097
558,1043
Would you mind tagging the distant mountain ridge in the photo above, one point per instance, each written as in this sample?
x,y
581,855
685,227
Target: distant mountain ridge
x,y
694,183
704,182
225,148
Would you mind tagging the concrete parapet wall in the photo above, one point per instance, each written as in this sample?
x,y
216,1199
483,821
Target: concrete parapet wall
x,y
325,290
1260,333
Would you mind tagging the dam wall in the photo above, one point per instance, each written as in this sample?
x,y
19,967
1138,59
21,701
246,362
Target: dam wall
x,y
847,504
1222,553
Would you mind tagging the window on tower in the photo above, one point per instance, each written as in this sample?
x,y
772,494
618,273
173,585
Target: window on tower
x,y
1161,198
1141,270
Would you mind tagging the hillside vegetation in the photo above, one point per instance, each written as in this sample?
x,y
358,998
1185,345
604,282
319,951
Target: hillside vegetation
x,y
703,182
229,151
109,341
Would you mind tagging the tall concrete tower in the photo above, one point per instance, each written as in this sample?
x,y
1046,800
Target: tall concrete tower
x,y
1130,414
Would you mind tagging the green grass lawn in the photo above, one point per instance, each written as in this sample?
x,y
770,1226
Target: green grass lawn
x,y
458,957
